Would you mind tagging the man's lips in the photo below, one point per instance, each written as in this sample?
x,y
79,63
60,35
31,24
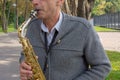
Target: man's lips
x,y
37,9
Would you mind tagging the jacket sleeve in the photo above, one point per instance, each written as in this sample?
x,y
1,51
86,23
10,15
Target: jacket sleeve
x,y
21,57
99,64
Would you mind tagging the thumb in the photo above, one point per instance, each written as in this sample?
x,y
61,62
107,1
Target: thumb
x,y
36,57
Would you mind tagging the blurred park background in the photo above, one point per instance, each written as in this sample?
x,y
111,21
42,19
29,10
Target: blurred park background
x,y
104,15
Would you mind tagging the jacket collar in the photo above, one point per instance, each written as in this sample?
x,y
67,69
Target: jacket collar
x,y
65,28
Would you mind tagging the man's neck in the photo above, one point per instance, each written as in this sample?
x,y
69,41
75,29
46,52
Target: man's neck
x,y
49,23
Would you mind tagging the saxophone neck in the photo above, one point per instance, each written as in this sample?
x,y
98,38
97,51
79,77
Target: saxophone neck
x,y
22,29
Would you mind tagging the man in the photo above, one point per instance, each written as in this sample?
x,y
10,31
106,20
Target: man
x,y
67,47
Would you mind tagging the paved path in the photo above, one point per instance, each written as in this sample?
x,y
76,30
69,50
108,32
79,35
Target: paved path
x,y
9,53
10,49
110,40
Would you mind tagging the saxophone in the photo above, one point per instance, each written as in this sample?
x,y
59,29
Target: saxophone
x,y
30,57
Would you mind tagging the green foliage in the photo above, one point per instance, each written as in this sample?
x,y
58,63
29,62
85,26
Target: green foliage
x,y
99,7
115,63
10,28
106,6
10,10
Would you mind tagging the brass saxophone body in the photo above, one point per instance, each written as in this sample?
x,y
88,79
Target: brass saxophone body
x,y
30,56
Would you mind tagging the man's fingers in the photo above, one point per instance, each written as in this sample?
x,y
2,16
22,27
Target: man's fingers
x,y
25,74
25,71
25,66
24,78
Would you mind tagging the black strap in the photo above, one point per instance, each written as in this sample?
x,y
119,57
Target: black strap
x,y
48,48
46,42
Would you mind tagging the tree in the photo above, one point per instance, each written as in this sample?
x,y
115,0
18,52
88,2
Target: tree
x,y
70,7
11,10
3,16
80,8
24,11
0,11
112,6
16,12
85,8
99,8
106,6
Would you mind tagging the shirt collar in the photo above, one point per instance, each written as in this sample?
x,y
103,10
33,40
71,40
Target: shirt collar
x,y
57,25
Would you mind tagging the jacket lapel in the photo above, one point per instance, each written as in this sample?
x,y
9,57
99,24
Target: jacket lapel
x,y
41,34
64,29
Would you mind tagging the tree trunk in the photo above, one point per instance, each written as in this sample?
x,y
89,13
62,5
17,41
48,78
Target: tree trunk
x,y
81,8
16,18
70,7
26,9
0,12
85,8
4,21
66,7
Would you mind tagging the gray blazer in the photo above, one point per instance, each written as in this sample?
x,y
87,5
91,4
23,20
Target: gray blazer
x,y
76,53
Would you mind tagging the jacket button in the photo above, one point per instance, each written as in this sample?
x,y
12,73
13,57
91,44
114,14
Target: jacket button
x,y
58,42
47,66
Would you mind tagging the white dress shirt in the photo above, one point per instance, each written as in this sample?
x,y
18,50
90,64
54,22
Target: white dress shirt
x,y
52,32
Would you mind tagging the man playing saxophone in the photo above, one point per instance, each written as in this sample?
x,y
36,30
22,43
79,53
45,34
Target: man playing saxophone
x,y
67,47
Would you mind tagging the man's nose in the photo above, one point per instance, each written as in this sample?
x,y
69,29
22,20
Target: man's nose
x,y
35,2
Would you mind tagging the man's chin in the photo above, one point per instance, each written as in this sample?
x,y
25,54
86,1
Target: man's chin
x,y
40,17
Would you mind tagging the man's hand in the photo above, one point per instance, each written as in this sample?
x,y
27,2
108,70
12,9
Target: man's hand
x,y
25,71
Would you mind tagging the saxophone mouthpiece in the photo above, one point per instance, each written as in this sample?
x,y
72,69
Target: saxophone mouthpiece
x,y
34,12
37,9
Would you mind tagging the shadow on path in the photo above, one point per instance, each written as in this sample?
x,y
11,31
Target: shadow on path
x,y
9,57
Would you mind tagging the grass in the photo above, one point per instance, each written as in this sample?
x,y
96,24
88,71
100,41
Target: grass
x,y
103,29
113,56
10,28
115,62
